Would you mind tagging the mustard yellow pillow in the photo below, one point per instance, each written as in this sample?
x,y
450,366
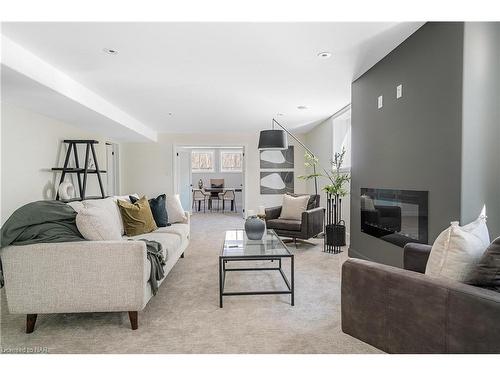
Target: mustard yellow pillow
x,y
137,217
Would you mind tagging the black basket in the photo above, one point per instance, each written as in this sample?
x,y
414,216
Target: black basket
x,y
335,234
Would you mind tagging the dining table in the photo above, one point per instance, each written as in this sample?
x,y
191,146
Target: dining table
x,y
214,192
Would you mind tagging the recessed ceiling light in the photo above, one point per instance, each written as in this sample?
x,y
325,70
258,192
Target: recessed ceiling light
x,y
324,55
301,107
110,51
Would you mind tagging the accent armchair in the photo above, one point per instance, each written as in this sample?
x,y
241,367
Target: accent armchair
x,y
310,225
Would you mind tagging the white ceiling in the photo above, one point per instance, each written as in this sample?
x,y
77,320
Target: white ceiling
x,y
212,77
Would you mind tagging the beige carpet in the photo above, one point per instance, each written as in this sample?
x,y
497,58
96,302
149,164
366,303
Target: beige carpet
x,y
184,317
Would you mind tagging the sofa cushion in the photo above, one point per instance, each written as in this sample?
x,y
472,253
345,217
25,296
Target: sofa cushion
x,y
179,229
293,207
283,224
486,274
458,249
170,242
97,224
137,217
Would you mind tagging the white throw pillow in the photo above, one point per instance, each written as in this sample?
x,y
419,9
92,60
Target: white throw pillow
x,y
457,250
76,205
125,197
293,207
97,224
109,205
175,211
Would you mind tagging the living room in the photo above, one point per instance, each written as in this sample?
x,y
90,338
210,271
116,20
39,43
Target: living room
x,y
251,188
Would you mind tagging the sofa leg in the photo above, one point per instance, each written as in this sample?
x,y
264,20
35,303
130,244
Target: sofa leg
x,y
133,316
30,322
182,255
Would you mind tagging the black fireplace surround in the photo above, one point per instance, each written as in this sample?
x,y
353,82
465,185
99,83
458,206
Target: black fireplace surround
x,y
395,216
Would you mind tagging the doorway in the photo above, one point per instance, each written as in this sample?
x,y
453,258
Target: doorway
x,y
210,179
112,169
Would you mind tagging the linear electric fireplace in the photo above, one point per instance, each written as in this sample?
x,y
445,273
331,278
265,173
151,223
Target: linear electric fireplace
x,y
395,216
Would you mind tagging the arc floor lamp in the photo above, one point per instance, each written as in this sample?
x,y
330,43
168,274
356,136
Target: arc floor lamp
x,y
276,139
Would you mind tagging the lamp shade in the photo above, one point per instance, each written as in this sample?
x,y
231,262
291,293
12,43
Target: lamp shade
x,y
274,139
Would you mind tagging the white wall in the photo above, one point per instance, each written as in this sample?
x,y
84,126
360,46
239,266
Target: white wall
x,y
31,145
480,124
148,167
320,140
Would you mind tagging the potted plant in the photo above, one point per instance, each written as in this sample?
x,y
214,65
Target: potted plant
x,y
336,189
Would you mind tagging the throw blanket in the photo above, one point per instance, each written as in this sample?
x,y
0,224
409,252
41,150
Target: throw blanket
x,y
42,221
155,256
37,222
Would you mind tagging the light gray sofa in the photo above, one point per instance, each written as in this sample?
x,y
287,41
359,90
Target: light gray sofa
x,y
87,276
405,311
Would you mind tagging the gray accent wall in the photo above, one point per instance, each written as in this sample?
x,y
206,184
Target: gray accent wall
x,y
414,142
481,123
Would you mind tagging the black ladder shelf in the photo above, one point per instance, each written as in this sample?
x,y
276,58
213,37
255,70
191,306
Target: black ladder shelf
x,y
78,170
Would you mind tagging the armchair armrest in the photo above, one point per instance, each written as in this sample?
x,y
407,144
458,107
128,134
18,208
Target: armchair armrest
x,y
273,213
66,277
415,256
312,221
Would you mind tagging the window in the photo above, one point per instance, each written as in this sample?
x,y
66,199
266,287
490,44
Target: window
x,y
231,161
342,137
202,161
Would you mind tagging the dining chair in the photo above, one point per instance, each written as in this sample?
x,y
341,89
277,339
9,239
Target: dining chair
x,y
215,183
228,195
199,195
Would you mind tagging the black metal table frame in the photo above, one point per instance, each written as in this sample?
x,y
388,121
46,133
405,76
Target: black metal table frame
x,y
222,275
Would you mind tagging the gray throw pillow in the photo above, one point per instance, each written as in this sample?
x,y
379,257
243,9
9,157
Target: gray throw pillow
x,y
486,273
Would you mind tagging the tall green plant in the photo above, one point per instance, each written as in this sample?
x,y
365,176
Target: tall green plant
x,y
338,179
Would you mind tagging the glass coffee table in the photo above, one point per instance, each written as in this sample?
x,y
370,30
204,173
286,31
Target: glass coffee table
x,y
237,248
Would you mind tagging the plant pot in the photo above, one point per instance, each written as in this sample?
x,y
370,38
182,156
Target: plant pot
x,y
335,234
255,228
